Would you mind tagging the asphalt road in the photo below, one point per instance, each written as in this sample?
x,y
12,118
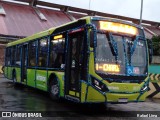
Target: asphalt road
x,y
25,99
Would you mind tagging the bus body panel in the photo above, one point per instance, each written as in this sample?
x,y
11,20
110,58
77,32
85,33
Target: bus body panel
x,y
92,66
83,91
18,74
129,91
41,80
31,77
94,95
113,97
9,75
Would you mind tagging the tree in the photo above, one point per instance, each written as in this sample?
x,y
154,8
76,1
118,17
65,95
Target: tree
x,y
156,45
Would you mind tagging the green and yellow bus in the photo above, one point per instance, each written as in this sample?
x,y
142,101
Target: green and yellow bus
x,y
90,60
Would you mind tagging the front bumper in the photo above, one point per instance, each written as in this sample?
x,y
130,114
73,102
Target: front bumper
x,y
96,96
134,97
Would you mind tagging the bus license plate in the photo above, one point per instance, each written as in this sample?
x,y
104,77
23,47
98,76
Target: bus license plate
x,y
123,100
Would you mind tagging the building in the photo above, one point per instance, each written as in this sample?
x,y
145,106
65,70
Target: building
x,y
22,18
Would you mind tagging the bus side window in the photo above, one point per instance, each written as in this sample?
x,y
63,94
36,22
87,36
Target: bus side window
x,y
57,53
32,53
42,52
18,55
13,52
8,56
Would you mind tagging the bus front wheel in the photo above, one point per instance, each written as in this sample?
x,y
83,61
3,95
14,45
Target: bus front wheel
x,y
54,89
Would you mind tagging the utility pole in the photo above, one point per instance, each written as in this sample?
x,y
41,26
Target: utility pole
x,y
140,22
89,4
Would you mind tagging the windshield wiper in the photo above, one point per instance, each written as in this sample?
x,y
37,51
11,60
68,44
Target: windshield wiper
x,y
113,46
135,44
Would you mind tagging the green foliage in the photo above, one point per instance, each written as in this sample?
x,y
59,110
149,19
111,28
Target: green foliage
x,y
156,45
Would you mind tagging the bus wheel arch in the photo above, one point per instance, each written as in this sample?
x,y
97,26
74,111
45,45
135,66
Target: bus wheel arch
x,y
53,87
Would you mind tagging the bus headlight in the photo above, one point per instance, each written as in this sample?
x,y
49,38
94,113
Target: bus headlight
x,y
144,88
99,85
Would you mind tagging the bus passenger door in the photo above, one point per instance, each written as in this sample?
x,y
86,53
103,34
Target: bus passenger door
x,y
24,63
73,65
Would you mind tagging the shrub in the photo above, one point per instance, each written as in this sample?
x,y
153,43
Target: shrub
x,y
156,45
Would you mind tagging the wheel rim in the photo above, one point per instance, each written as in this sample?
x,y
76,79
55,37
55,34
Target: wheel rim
x,y
54,89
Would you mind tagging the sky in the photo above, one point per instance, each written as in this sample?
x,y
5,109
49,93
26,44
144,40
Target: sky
x,y
129,8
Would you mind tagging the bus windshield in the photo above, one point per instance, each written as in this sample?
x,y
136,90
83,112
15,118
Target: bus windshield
x,y
128,60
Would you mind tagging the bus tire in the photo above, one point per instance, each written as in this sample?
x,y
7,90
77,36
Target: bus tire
x,y
54,89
